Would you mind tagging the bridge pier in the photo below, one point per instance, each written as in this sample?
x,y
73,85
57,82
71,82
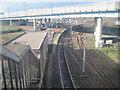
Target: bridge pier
x,y
49,20
98,30
95,24
35,24
45,20
27,24
10,22
40,21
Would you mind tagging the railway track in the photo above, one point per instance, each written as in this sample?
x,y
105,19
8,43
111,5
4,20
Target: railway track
x,y
103,76
96,69
65,72
66,77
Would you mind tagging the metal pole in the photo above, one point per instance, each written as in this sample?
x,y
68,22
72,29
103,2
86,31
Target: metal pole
x,y
10,22
84,54
70,36
34,22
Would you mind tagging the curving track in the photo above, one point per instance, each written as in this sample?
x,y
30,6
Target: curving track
x,y
66,77
99,72
68,53
66,69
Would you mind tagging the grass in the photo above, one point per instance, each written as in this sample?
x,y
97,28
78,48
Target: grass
x,y
106,56
10,29
8,33
8,36
111,51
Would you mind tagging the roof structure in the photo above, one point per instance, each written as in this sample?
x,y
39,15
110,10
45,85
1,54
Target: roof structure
x,y
8,53
16,48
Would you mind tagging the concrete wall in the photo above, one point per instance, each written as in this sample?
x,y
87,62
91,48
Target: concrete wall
x,y
42,55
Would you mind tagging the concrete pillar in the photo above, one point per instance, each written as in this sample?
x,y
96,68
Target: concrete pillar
x,y
98,31
95,24
10,22
49,20
45,20
35,24
40,21
27,22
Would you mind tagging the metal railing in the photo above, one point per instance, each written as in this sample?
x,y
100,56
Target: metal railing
x,y
17,72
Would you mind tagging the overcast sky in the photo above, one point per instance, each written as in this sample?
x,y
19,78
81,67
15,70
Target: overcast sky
x,y
47,0
21,5
54,0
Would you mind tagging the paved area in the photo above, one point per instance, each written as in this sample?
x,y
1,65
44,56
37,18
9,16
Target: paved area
x,y
34,39
52,75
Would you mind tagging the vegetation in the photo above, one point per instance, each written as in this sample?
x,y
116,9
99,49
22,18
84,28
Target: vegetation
x,y
8,36
10,29
110,30
8,33
111,51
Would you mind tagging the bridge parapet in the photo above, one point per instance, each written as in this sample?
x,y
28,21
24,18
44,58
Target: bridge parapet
x,y
94,7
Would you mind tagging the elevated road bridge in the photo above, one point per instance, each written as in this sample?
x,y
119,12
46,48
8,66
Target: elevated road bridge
x,y
101,9
95,10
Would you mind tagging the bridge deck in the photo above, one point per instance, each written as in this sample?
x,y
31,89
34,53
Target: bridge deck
x,y
105,7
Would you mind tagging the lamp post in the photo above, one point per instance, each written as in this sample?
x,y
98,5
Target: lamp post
x,y
70,36
84,57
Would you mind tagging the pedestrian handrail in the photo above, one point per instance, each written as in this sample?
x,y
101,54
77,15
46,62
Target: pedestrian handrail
x,y
18,70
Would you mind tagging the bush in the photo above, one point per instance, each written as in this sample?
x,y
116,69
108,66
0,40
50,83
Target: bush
x,y
10,29
111,51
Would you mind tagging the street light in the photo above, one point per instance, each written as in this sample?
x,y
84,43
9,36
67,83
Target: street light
x,y
70,36
84,57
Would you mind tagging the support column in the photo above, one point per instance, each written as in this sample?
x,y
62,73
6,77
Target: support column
x,y
49,20
35,24
45,20
40,21
98,31
40,24
95,24
27,22
10,22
